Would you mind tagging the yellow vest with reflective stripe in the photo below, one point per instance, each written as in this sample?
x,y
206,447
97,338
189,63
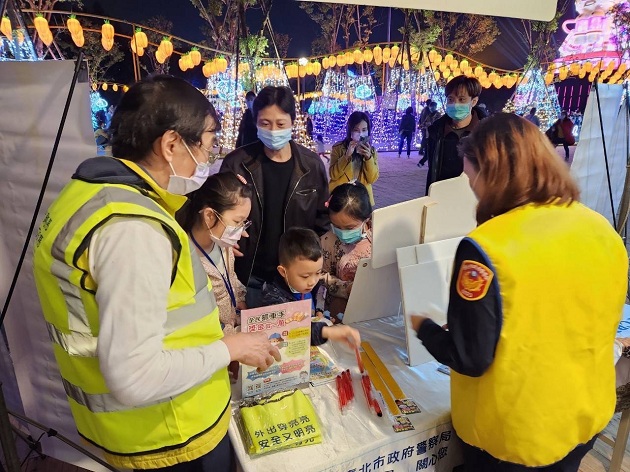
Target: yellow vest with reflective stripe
x,y
176,429
562,275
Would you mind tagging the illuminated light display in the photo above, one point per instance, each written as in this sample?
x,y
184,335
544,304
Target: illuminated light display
x,y
531,92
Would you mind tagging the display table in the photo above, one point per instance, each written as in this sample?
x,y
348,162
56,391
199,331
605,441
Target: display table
x,y
359,441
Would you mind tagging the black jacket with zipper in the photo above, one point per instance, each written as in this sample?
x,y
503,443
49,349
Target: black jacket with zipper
x,y
305,202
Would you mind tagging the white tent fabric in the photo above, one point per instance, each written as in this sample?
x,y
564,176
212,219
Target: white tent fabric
x,y
589,166
33,95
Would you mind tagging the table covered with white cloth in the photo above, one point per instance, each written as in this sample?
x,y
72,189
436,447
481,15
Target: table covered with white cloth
x,y
358,440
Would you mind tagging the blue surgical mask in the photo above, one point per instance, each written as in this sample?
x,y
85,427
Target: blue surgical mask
x,y
276,139
349,236
458,111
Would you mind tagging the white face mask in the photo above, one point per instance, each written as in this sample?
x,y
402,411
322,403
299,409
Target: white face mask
x,y
230,236
179,185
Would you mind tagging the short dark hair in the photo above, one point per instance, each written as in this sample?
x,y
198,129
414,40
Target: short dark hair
x,y
409,110
354,119
221,192
154,106
351,198
532,111
280,96
471,85
250,95
299,243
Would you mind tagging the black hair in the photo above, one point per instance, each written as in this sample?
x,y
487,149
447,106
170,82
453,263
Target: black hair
x,y
532,111
354,119
299,243
409,111
101,118
471,85
280,96
250,95
353,199
221,192
154,106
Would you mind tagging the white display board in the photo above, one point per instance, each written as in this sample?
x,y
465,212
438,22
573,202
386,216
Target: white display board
x,y
452,212
375,293
589,166
425,277
396,226
543,10
33,96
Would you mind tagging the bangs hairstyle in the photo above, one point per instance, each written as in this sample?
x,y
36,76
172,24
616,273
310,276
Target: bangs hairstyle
x,y
471,85
351,198
221,192
518,166
299,243
270,96
354,119
154,106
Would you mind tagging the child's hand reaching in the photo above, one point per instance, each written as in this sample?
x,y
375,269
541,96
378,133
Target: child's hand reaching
x,y
343,333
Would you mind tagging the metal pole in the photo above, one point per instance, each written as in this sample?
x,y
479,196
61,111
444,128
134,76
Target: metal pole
x,y
6,437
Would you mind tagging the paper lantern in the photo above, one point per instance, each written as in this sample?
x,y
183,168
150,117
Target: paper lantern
x,y
309,68
442,66
448,59
454,64
574,68
47,38
104,86
317,67
377,52
478,71
41,24
182,64
302,71
325,63
446,73
588,66
166,46
387,52
492,76
221,64
159,56
358,56
549,78
463,65
195,56
332,61
125,88
107,31
5,27
74,26
564,72
457,72
368,55
438,59
107,44
207,69
115,87
392,61
95,87
141,38
436,75
582,73
405,64
134,45
349,58
79,39
395,50
341,60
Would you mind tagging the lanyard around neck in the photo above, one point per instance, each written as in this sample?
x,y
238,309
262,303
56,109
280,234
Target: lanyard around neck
x,y
226,278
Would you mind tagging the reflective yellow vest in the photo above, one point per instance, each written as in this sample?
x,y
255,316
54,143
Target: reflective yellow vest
x,y
562,274
177,429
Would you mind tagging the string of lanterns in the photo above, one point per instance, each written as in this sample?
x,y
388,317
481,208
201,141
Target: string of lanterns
x,y
613,71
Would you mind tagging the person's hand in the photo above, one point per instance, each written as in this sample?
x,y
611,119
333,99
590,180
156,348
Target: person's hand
x,y
365,150
253,349
417,320
351,147
241,305
236,248
343,333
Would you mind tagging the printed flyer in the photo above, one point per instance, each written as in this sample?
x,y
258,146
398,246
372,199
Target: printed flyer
x,y
288,326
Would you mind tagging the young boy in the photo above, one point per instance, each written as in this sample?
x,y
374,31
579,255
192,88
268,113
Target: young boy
x,y
299,272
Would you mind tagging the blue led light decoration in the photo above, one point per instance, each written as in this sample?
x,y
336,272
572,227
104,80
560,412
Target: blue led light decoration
x,y
530,92
18,49
97,103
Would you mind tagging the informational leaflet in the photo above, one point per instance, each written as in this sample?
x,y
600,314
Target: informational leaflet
x,y
288,327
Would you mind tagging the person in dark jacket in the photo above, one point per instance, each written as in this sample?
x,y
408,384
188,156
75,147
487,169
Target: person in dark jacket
x,y
247,131
562,133
462,117
290,187
405,130
298,278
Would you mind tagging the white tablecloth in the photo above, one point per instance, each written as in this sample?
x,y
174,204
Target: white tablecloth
x,y
359,441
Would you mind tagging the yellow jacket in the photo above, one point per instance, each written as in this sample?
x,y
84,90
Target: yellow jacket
x,y
341,169
176,429
562,274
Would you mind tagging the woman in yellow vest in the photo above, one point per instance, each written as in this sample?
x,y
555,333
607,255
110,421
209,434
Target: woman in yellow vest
x,y
130,311
535,301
